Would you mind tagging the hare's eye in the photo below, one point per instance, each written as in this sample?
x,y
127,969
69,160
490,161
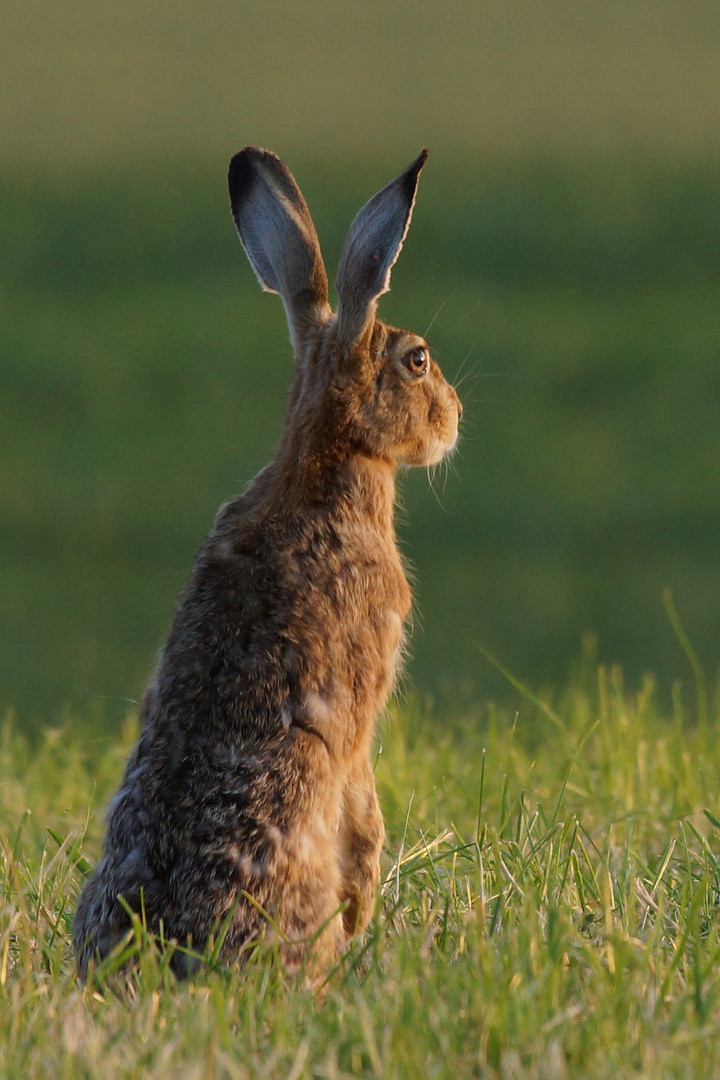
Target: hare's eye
x,y
417,361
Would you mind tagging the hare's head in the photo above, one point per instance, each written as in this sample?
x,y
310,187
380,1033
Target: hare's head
x,y
362,387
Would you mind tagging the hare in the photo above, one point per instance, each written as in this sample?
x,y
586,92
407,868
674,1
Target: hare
x,y
248,802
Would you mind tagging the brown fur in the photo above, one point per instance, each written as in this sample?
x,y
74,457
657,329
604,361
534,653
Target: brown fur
x,y
252,772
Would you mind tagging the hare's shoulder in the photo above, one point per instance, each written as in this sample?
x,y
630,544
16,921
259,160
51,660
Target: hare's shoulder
x,y
288,557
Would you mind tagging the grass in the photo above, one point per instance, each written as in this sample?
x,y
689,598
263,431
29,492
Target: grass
x,y
549,909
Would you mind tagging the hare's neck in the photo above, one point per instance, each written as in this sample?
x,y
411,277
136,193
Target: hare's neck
x,y
357,490
371,486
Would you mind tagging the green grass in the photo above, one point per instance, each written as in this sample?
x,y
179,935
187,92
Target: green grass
x,y
549,909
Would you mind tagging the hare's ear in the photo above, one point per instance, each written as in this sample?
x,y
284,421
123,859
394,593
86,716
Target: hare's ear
x,y
370,250
276,230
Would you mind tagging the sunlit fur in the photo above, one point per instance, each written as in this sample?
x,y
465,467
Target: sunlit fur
x,y
252,775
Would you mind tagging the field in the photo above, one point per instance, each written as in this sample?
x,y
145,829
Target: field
x,y
503,77
549,910
550,903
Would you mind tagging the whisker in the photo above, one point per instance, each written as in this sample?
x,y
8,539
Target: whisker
x,y
446,473
444,303
472,372
431,471
467,357
475,306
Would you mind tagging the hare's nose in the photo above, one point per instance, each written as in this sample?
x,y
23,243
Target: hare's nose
x,y
458,402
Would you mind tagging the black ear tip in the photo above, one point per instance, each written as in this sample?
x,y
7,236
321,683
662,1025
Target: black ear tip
x,y
419,162
414,170
240,175
409,178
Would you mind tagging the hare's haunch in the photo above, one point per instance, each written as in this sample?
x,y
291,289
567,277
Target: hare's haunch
x,y
252,774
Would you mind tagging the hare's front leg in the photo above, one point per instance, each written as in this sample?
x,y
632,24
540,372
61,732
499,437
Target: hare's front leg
x,y
361,836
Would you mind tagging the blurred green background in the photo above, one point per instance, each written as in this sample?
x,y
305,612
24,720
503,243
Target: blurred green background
x,y
565,253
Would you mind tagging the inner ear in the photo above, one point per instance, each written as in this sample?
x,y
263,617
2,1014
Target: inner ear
x,y
277,232
370,250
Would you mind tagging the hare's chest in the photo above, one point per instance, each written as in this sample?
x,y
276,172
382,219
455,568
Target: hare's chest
x,y
394,640
385,622
389,607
